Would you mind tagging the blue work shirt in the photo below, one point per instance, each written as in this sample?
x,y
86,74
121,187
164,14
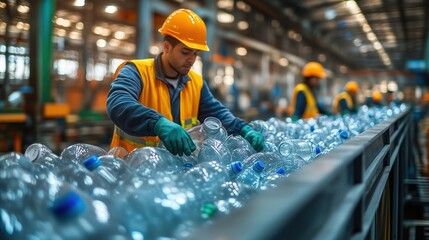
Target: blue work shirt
x,y
126,112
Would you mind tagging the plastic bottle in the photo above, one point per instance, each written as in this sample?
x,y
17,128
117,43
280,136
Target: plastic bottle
x,y
80,217
233,195
118,151
81,178
293,163
251,176
80,151
41,154
24,201
239,147
303,148
109,168
204,179
210,128
273,179
336,138
214,150
272,162
153,162
15,158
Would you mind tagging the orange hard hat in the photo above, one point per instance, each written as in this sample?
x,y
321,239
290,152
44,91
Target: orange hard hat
x,y
313,69
377,97
352,86
187,27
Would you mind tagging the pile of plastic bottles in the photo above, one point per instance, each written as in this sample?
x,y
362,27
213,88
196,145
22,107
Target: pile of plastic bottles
x,y
88,193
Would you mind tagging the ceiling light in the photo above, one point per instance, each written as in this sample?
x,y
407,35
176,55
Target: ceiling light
x,y
79,3
330,14
114,42
111,9
283,62
119,35
79,25
154,50
224,17
241,51
101,43
242,25
23,9
225,4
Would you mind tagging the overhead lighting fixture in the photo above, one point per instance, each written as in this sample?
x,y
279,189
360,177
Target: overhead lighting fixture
x,y
224,17
23,9
283,62
111,9
225,4
79,3
101,43
357,13
241,51
242,25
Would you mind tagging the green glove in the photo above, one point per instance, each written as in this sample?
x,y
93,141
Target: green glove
x,y
254,137
174,137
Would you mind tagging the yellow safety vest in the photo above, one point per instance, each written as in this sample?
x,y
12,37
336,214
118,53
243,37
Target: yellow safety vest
x,y
336,108
311,110
155,95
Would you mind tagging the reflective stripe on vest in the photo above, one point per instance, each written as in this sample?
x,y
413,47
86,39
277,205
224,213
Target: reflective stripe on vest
x,y
336,105
155,95
311,109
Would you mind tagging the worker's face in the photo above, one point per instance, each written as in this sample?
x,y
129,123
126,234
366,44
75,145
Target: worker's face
x,y
180,57
314,82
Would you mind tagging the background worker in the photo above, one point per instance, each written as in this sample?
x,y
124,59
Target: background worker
x,y
377,99
304,102
157,99
346,101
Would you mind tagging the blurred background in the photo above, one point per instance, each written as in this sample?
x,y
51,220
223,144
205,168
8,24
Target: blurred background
x,y
57,58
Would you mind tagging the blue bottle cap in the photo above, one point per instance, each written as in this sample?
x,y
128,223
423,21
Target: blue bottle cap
x,y
317,150
258,166
92,162
281,171
68,205
188,165
344,134
236,167
312,128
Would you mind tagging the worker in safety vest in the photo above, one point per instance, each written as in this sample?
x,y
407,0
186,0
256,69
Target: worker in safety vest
x,y
346,102
377,99
304,102
158,98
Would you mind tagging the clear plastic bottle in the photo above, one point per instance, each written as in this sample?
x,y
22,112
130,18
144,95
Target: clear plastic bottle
x,y
109,168
80,217
118,151
251,176
80,151
210,128
204,179
214,150
81,178
154,162
272,162
303,148
233,195
273,179
15,158
239,147
41,154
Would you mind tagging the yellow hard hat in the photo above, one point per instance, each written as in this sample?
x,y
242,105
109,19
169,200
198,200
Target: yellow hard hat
x,y
352,86
377,97
313,69
187,27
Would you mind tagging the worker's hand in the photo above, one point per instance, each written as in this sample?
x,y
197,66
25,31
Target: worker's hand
x,y
174,137
255,138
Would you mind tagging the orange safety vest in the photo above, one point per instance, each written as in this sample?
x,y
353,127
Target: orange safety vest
x,y
155,95
336,104
311,110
